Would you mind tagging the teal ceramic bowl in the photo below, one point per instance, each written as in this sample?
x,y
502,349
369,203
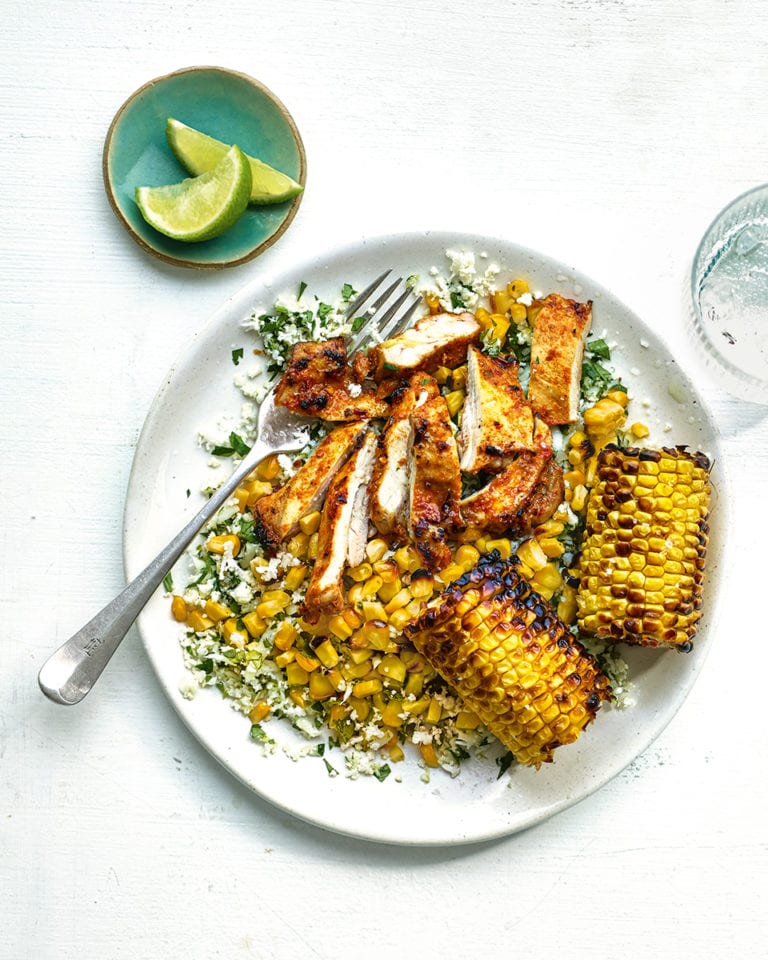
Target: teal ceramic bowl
x,y
227,105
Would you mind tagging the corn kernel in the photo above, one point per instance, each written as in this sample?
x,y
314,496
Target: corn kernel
x,y
551,548
399,618
269,608
365,688
361,572
259,711
254,624
516,288
296,675
376,549
442,374
371,587
388,570
298,546
256,490
268,469
197,621
216,611
392,668
549,576
285,636
320,687
224,543
428,755
374,634
639,430
298,698
407,559
518,313
373,610
307,661
295,577
579,498
389,589
434,712
390,715
179,609
422,587
340,628
310,523
284,658
414,684
467,720
504,547
466,556
241,495
416,707
452,572
455,401
327,654
400,599
358,656
396,753
351,618
361,708
313,547
531,554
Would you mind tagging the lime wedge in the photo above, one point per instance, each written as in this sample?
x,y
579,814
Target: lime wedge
x,y
202,207
197,153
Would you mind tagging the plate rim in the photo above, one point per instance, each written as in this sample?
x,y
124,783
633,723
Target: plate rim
x,y
513,823
182,261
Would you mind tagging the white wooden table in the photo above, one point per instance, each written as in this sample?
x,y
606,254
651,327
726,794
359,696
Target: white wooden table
x,y
604,132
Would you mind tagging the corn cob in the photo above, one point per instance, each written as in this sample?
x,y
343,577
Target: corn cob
x,y
642,559
511,660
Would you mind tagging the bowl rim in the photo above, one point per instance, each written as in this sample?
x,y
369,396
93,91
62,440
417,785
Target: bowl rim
x,y
181,261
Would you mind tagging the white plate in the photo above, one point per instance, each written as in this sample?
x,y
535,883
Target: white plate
x,y
476,805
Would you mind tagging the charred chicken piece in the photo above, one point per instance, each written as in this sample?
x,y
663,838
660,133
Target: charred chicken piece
x,y
343,528
435,484
318,382
278,514
524,495
388,490
497,421
557,351
436,340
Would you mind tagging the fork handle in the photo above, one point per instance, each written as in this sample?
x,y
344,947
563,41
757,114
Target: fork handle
x,y
69,674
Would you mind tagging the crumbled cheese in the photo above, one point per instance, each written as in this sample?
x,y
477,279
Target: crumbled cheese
x,y
354,389
526,299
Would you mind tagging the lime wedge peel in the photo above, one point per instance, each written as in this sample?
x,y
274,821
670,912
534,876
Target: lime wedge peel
x,y
198,153
202,207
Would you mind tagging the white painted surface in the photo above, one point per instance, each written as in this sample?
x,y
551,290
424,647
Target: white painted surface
x,y
604,133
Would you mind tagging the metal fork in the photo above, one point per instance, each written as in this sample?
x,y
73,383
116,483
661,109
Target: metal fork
x,y
70,673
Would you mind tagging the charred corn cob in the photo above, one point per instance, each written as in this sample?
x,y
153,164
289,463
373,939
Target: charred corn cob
x,y
512,661
642,559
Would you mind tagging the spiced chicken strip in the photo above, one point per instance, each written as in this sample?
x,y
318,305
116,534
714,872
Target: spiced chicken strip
x,y
435,484
343,526
278,514
557,351
497,421
524,495
388,490
318,382
436,340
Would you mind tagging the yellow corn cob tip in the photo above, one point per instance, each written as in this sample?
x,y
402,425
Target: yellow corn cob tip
x,y
510,658
641,568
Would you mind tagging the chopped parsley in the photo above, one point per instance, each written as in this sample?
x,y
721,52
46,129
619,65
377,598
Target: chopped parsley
x,y
237,446
168,581
237,355
504,762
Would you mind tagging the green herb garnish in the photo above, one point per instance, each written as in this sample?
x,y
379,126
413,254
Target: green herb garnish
x,y
168,582
237,355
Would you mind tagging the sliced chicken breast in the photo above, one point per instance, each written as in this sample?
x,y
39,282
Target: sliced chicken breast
x,y
557,352
436,340
497,421
388,490
318,382
343,526
435,484
524,495
278,514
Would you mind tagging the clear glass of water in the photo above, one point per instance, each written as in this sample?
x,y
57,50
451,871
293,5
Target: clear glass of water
x,y
729,290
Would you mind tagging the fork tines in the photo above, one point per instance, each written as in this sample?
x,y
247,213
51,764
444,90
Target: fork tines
x,y
391,322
